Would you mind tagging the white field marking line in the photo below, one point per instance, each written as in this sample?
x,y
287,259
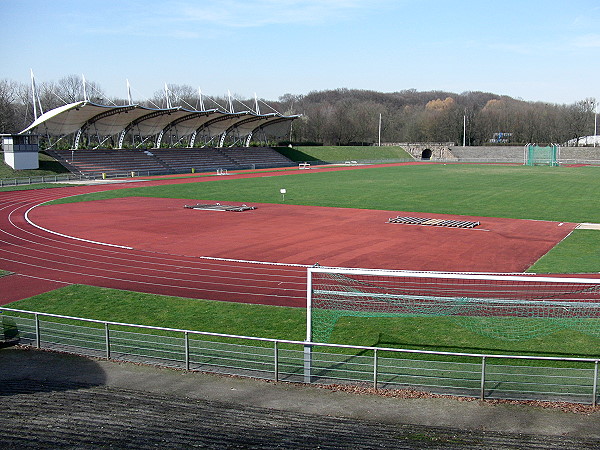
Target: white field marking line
x,y
588,226
131,248
150,263
136,272
201,257
67,236
40,278
158,284
246,261
129,266
210,258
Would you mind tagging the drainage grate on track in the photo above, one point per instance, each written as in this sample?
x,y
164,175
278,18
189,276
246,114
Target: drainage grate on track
x,y
434,222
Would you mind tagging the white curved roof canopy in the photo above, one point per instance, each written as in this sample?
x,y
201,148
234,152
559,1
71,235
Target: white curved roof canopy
x,y
102,120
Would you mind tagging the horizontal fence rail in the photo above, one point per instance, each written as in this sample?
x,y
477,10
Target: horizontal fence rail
x,y
25,181
484,376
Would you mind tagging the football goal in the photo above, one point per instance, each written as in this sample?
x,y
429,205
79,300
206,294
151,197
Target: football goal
x,y
510,307
541,156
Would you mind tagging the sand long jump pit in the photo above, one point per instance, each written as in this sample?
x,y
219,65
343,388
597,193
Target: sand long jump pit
x,y
306,234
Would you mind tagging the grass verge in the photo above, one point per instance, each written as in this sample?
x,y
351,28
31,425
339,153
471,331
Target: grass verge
x,y
48,166
344,153
578,253
424,333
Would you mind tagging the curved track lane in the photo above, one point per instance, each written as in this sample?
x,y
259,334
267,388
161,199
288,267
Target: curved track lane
x,y
31,252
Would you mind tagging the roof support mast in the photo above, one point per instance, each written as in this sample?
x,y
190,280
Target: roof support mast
x,y
129,101
85,96
230,102
167,97
35,98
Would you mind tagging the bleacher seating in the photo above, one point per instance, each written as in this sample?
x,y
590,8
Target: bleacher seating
x,y
97,161
200,159
168,160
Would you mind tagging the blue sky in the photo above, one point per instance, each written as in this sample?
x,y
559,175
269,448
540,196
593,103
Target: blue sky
x,y
536,50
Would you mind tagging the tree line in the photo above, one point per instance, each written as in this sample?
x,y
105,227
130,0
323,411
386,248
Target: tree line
x,y
344,116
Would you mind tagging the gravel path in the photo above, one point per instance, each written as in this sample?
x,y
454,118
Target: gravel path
x,y
50,400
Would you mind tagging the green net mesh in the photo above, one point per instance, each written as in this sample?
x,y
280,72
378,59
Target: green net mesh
x,y
541,156
512,308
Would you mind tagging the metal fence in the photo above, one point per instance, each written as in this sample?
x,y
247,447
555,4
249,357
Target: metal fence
x,y
24,181
463,374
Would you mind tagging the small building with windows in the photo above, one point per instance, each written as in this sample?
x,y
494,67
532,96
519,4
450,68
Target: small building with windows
x,y
21,151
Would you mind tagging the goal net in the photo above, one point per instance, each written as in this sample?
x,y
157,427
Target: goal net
x,y
541,156
501,306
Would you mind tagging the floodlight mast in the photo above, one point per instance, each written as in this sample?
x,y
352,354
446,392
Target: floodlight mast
x,y
596,125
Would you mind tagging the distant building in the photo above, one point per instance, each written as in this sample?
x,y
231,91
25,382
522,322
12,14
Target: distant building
x,y
584,141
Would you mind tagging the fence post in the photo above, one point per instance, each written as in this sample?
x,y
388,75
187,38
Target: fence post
x,y
107,338
482,393
276,356
187,351
308,363
38,339
595,389
375,369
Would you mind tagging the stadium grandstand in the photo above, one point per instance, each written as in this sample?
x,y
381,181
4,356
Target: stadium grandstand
x,y
93,138
94,125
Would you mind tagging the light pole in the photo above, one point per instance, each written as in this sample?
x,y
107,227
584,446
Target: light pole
x,y
595,124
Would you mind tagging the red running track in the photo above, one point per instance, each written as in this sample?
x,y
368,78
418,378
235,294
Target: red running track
x,y
47,261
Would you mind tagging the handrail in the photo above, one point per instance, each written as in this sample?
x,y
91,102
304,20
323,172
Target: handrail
x,y
307,343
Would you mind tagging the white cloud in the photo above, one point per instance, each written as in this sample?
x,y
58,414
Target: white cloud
x,y
187,19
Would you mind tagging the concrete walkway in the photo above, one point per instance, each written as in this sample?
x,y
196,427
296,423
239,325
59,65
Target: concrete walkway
x,y
53,399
